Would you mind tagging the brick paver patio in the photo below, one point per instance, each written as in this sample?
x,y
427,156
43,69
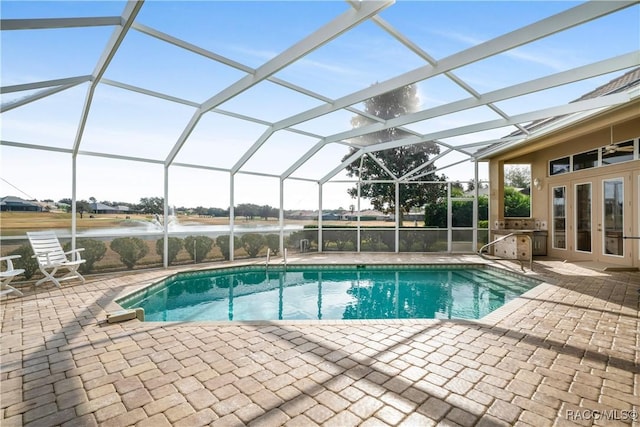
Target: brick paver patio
x,y
566,353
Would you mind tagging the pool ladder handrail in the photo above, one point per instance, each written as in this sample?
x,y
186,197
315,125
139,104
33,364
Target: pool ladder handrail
x,y
268,258
499,239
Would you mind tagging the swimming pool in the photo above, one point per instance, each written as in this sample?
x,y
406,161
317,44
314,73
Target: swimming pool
x,y
330,292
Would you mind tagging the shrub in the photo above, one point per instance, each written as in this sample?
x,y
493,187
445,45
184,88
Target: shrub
x,y
94,251
223,244
30,265
516,204
198,247
130,249
252,243
175,244
273,242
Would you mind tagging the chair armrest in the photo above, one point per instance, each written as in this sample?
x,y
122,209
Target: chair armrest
x,y
8,260
43,253
76,252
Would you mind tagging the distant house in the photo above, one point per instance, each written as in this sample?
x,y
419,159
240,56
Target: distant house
x,y
303,215
101,208
330,216
482,191
16,204
366,215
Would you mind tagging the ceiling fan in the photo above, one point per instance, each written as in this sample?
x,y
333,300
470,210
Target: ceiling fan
x,y
619,147
615,148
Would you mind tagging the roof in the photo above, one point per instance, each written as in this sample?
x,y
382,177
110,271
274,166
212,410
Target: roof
x,y
17,201
102,207
627,81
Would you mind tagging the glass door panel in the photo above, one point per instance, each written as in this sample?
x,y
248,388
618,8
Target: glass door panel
x,y
583,217
559,223
613,216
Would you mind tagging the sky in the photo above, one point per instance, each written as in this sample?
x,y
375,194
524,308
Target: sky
x,y
131,124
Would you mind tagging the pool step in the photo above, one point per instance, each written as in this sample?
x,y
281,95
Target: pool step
x,y
490,280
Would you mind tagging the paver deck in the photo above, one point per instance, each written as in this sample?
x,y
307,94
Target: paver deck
x,y
566,353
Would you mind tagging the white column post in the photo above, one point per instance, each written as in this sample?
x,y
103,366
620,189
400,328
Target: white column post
x,y
74,180
165,222
231,216
397,231
449,221
319,217
476,193
358,220
281,216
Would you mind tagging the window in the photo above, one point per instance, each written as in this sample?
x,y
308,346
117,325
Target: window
x,y
559,213
585,160
558,166
617,153
583,217
613,216
517,190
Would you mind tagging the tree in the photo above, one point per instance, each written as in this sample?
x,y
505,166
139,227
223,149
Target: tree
x,y
399,161
516,204
518,176
267,211
151,205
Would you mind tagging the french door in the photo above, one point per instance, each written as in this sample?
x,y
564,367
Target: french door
x,y
601,217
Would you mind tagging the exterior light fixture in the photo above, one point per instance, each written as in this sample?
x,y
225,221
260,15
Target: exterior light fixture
x,y
537,183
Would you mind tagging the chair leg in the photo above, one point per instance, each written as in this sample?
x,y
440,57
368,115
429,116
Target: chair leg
x,y
73,273
8,288
48,276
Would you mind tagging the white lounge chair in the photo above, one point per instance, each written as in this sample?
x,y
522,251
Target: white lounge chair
x,y
51,257
8,275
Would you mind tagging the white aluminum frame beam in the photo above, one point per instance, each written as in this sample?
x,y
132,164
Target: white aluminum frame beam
x,y
565,77
432,61
50,23
34,97
425,164
561,110
575,107
383,166
128,16
570,18
242,67
325,34
166,97
45,84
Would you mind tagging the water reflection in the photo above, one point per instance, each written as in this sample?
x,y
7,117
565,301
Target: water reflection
x,y
349,294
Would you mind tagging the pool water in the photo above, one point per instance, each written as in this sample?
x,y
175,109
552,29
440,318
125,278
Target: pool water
x,y
330,293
